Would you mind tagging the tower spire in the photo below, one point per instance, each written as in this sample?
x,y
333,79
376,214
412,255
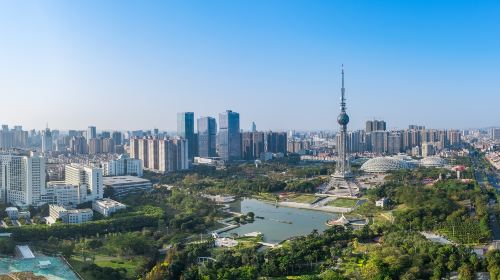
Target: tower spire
x,y
342,90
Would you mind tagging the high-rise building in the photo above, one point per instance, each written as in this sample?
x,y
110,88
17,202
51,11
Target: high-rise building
x,y
427,149
95,146
454,137
229,142
375,125
416,127
355,142
153,154
22,178
105,134
88,178
107,145
276,142
122,166
254,127
117,137
143,153
160,155
379,141
134,148
495,133
91,133
185,129
394,141
252,145
173,155
46,140
207,137
78,145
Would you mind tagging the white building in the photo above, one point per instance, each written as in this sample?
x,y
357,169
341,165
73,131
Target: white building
x,y
68,216
22,178
85,177
123,185
107,206
161,155
12,213
382,202
61,193
124,165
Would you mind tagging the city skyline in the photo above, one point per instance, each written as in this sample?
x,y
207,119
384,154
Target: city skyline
x,y
75,64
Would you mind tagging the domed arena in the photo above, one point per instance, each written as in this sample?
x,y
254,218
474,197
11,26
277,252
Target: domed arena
x,y
432,162
384,164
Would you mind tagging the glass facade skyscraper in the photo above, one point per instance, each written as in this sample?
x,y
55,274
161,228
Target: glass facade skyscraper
x,y
229,140
207,137
185,129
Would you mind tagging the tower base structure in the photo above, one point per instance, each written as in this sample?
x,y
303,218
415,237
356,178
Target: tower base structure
x,y
342,186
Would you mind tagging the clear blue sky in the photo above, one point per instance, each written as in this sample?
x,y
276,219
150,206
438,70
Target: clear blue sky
x,y
134,64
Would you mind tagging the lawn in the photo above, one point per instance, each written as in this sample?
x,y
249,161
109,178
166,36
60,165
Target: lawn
x,y
303,198
343,202
108,261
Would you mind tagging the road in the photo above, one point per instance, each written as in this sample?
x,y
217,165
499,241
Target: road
x,y
491,177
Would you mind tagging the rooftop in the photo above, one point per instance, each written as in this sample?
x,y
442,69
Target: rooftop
x,y
121,180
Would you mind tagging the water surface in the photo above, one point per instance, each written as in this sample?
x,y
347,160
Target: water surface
x,y
276,225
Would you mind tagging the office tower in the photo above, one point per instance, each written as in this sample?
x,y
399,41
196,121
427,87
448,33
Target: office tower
x,y
87,178
124,165
276,142
94,146
117,137
247,145
379,141
427,149
207,137
495,133
46,140
91,133
254,127
229,142
22,178
394,142
185,129
375,125
343,168
252,145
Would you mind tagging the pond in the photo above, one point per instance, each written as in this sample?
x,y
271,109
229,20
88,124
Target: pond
x,y
279,223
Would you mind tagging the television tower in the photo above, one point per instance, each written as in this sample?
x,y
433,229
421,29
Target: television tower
x,y
343,168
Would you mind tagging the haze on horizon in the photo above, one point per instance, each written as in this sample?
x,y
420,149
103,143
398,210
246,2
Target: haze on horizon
x,y
135,64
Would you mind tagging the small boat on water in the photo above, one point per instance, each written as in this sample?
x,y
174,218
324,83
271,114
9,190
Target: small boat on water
x,y
281,221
